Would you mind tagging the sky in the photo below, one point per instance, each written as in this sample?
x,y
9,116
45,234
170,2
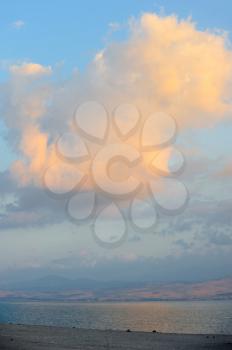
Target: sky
x,y
172,57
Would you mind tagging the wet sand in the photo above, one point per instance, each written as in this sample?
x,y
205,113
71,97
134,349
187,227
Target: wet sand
x,y
22,337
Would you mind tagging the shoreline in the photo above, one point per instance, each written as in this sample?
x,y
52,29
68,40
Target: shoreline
x,y
26,337
129,301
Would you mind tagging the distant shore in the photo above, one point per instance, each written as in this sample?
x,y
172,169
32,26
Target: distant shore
x,y
24,337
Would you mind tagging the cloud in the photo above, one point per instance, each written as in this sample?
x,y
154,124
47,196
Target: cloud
x,y
114,26
226,172
27,206
34,146
18,24
30,69
220,238
165,64
183,244
169,64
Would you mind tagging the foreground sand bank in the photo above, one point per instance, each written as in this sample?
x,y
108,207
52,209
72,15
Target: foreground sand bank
x,y
23,337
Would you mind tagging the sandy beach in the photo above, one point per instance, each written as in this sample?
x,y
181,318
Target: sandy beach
x,y
22,337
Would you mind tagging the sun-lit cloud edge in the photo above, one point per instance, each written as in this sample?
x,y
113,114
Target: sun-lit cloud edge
x,y
165,64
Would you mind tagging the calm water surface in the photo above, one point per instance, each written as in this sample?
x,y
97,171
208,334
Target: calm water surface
x,y
188,317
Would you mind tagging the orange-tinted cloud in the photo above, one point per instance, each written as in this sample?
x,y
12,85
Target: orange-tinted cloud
x,y
165,64
30,69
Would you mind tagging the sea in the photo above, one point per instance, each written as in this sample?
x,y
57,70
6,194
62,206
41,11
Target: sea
x,y
194,317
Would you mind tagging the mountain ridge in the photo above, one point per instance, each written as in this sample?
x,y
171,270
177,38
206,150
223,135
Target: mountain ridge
x,y
65,289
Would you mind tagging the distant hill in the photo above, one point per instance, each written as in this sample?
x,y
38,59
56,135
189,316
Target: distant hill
x,y
60,288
